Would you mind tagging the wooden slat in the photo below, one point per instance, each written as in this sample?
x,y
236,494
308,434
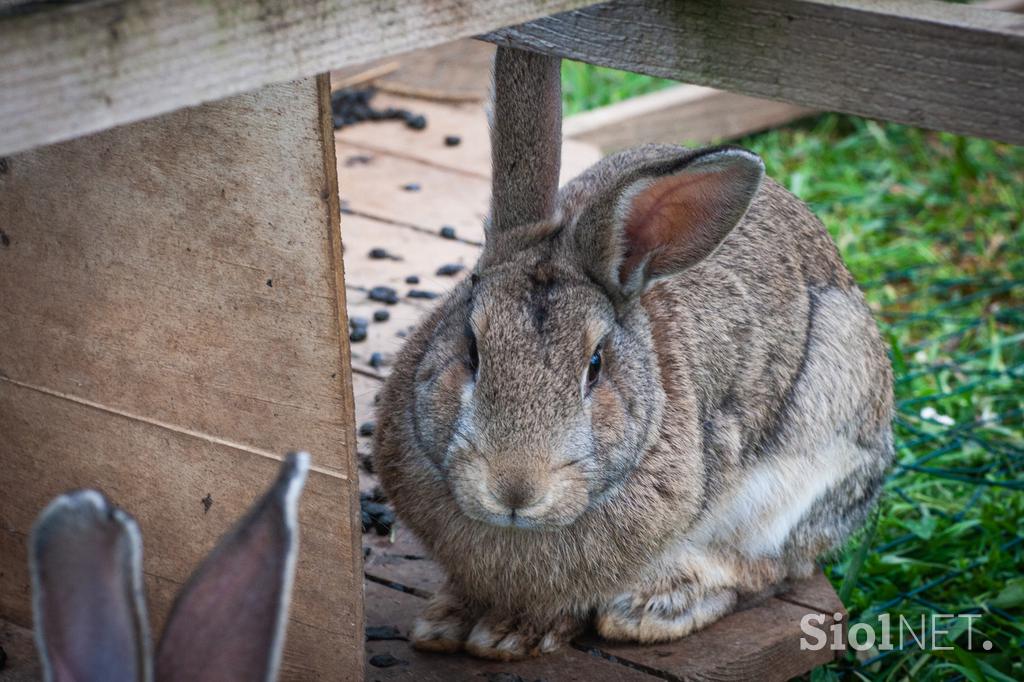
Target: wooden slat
x,y
67,70
689,114
171,312
931,64
468,121
761,643
387,607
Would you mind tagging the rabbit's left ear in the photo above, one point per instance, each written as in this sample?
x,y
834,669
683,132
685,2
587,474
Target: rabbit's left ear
x,y
87,599
228,622
667,215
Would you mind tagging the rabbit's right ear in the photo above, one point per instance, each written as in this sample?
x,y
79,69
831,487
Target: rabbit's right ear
x,y
228,623
526,138
85,559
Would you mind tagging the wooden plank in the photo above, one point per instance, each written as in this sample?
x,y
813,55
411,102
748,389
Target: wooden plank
x,y
459,71
684,114
444,197
468,121
22,663
759,643
930,64
172,317
387,607
762,642
72,69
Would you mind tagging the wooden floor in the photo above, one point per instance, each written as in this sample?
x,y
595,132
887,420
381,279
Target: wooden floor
x,y
399,187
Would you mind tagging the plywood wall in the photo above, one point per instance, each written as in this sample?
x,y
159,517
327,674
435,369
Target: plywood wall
x,y
171,308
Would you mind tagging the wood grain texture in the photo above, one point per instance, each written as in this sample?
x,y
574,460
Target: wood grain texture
x,y
70,70
684,114
171,308
387,607
762,642
467,120
930,64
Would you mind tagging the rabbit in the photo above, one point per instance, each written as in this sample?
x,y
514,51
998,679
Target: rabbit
x,y
658,395
227,623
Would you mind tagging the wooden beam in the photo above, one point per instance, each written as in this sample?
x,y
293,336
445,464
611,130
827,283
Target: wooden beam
x,y
930,64
681,114
71,69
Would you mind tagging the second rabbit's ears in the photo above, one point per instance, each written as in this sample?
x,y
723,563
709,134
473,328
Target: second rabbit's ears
x,y
88,605
227,623
526,138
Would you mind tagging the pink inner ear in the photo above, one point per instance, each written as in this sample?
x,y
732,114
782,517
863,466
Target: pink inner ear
x,y
664,220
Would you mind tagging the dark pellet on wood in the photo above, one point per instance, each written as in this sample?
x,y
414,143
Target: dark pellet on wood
x,y
270,282
358,160
355,322
412,279
411,187
420,293
385,661
357,334
418,122
450,269
367,428
381,315
448,232
383,633
452,141
207,502
384,295
4,239
379,254
376,360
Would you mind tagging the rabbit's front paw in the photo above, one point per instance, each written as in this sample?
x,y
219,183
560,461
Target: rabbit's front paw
x,y
510,639
659,616
443,625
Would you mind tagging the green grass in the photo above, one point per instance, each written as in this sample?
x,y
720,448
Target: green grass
x,y
931,225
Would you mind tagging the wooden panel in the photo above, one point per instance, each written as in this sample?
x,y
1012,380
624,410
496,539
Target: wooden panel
x,y
171,307
387,607
70,70
925,63
688,114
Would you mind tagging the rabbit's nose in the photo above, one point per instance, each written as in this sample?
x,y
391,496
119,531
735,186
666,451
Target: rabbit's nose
x,y
518,493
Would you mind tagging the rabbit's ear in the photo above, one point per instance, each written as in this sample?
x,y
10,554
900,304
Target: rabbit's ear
x,y
228,622
87,599
671,214
526,138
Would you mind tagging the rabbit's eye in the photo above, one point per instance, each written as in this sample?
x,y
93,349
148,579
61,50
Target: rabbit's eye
x,y
474,355
594,369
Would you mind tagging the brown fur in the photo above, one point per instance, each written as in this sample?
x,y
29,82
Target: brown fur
x,y
734,360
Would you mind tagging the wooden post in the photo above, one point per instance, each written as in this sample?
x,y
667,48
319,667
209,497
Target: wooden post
x,y
172,319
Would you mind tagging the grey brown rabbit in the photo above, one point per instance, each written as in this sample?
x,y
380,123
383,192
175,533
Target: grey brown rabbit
x,y
660,393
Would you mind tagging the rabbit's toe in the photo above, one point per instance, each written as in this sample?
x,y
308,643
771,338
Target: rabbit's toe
x,y
443,625
661,616
506,639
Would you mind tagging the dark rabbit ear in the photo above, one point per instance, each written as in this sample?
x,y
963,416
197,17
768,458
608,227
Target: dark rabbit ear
x,y
526,138
87,599
228,622
668,215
